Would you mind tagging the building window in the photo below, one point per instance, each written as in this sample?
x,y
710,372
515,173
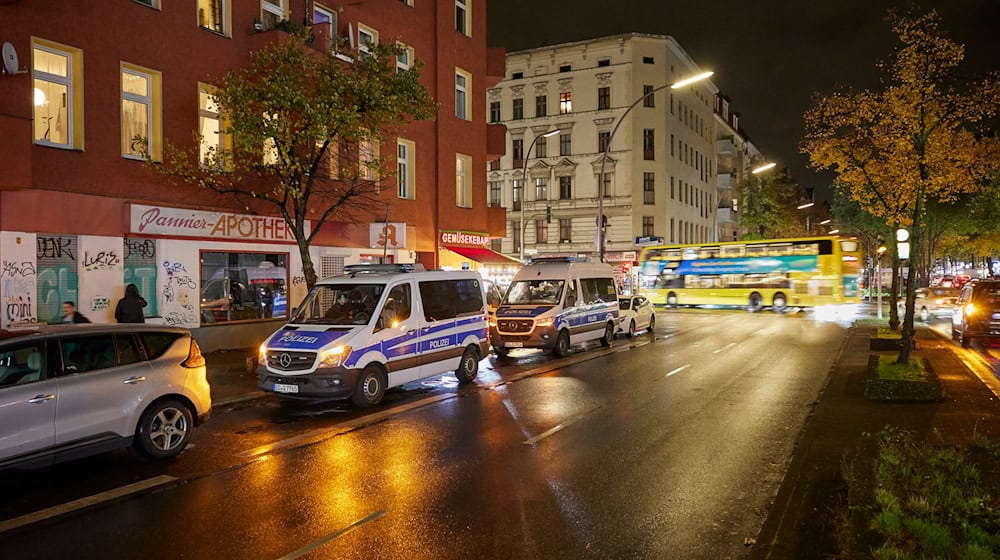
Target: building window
x,y
138,113
648,188
541,189
648,144
212,150
648,100
565,102
271,12
565,144
605,185
566,187
517,109
565,230
541,231
496,245
647,226
542,147
496,193
367,159
603,62
463,182
647,60
325,27
494,111
367,39
58,109
515,235
405,172
566,68
214,15
671,187
603,141
243,286
404,58
603,98
463,85
517,76
517,151
541,105
462,17
518,188
671,145
672,237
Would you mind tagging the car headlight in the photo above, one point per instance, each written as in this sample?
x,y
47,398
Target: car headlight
x,y
969,309
493,321
545,322
335,356
262,354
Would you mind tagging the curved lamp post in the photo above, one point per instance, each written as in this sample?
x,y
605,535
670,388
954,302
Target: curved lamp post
x,y
524,185
601,225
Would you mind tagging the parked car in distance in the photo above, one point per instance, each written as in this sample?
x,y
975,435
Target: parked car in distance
x,y
976,314
71,391
933,302
635,314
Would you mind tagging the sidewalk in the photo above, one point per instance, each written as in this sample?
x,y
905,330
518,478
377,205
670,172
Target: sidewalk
x,y
801,522
227,374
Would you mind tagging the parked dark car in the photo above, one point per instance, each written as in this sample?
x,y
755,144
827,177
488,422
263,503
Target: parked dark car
x,y
977,313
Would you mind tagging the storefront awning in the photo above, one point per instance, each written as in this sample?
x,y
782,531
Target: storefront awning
x,y
483,256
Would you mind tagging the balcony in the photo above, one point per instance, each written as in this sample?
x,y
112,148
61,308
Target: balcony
x,y
724,180
724,215
725,147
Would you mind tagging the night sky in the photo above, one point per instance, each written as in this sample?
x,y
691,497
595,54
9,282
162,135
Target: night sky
x,y
769,56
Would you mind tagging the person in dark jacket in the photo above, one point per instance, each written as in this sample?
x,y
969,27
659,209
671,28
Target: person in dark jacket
x,y
129,308
71,315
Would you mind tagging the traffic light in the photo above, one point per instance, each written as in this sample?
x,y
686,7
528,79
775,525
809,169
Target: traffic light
x,y
548,214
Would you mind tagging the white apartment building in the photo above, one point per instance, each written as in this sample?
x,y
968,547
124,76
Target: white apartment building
x,y
661,167
737,156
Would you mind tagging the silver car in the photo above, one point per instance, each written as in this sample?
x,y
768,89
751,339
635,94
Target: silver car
x,y
68,392
937,301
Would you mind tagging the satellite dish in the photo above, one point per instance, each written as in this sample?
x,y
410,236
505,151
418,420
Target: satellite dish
x,y
350,35
9,58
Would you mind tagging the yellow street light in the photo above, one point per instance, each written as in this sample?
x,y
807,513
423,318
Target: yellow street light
x,y
763,168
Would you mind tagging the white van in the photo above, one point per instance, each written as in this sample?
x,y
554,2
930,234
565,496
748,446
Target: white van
x,y
377,327
554,303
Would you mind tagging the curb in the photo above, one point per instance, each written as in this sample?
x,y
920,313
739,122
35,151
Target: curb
x,y
238,399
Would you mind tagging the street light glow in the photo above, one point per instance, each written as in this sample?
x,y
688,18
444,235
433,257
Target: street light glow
x,y
692,80
834,231
763,168
824,222
804,206
551,133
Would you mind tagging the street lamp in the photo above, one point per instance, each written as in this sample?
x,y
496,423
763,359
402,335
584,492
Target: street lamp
x,y
524,183
805,205
601,226
762,168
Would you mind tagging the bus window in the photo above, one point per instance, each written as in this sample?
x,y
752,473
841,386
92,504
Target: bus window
x,y
780,249
690,253
733,250
673,254
848,246
805,249
708,253
756,250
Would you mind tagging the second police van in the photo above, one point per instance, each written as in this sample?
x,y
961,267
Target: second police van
x,y
554,303
374,328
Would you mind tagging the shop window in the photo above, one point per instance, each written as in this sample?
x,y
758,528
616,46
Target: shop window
x,y
57,72
243,286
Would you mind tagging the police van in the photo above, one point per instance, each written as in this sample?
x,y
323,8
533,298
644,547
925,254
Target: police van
x,y
554,303
374,328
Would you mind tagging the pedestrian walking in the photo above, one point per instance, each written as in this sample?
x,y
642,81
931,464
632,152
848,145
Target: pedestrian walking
x,y
129,308
71,316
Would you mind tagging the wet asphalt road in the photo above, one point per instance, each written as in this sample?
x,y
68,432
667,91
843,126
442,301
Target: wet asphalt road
x,y
665,447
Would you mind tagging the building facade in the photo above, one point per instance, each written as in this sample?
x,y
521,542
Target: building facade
x,y
81,215
737,157
660,174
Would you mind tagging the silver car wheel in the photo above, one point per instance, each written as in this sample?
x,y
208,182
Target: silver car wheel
x,y
168,429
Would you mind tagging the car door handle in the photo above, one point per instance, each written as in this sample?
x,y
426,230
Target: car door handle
x,y
411,331
41,398
134,379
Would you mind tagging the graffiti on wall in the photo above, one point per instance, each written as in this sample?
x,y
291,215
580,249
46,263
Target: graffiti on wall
x,y
141,268
57,275
178,292
18,277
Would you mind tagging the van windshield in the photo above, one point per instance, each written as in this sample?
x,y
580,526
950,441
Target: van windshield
x,y
339,304
535,292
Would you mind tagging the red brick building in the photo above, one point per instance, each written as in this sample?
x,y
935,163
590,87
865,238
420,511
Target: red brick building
x,y
81,217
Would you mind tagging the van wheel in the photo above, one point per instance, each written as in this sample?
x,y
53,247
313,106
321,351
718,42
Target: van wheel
x,y
964,340
609,335
671,300
469,368
652,323
631,329
779,303
164,430
561,349
500,351
370,387
755,303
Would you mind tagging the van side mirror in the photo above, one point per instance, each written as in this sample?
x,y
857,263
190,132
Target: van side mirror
x,y
295,311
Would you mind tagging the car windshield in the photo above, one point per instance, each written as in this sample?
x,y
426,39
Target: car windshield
x,y
624,304
339,304
528,292
945,292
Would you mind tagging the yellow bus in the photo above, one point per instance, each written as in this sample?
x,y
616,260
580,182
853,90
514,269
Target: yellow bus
x,y
800,272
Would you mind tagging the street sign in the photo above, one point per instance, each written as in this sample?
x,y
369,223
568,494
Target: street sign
x,y
648,240
904,250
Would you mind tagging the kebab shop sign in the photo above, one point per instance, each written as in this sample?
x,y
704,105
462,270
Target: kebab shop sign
x,y
179,222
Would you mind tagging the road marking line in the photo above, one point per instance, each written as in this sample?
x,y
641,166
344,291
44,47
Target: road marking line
x,y
343,427
560,427
727,347
87,502
334,535
678,370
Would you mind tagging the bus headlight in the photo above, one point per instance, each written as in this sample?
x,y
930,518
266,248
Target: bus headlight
x,y
335,356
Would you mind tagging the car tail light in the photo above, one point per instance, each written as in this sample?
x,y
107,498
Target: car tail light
x,y
195,359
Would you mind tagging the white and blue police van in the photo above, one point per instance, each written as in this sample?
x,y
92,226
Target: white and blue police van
x,y
374,328
554,303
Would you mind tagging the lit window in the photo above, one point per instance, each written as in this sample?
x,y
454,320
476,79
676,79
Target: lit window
x,y
137,113
367,159
463,109
325,27
212,149
271,12
57,112
405,176
404,58
541,189
565,102
462,17
228,296
213,15
463,184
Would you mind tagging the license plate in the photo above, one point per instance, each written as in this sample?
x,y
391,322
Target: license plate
x,y
281,388
514,345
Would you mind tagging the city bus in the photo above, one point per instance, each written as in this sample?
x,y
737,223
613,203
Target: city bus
x,y
779,273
